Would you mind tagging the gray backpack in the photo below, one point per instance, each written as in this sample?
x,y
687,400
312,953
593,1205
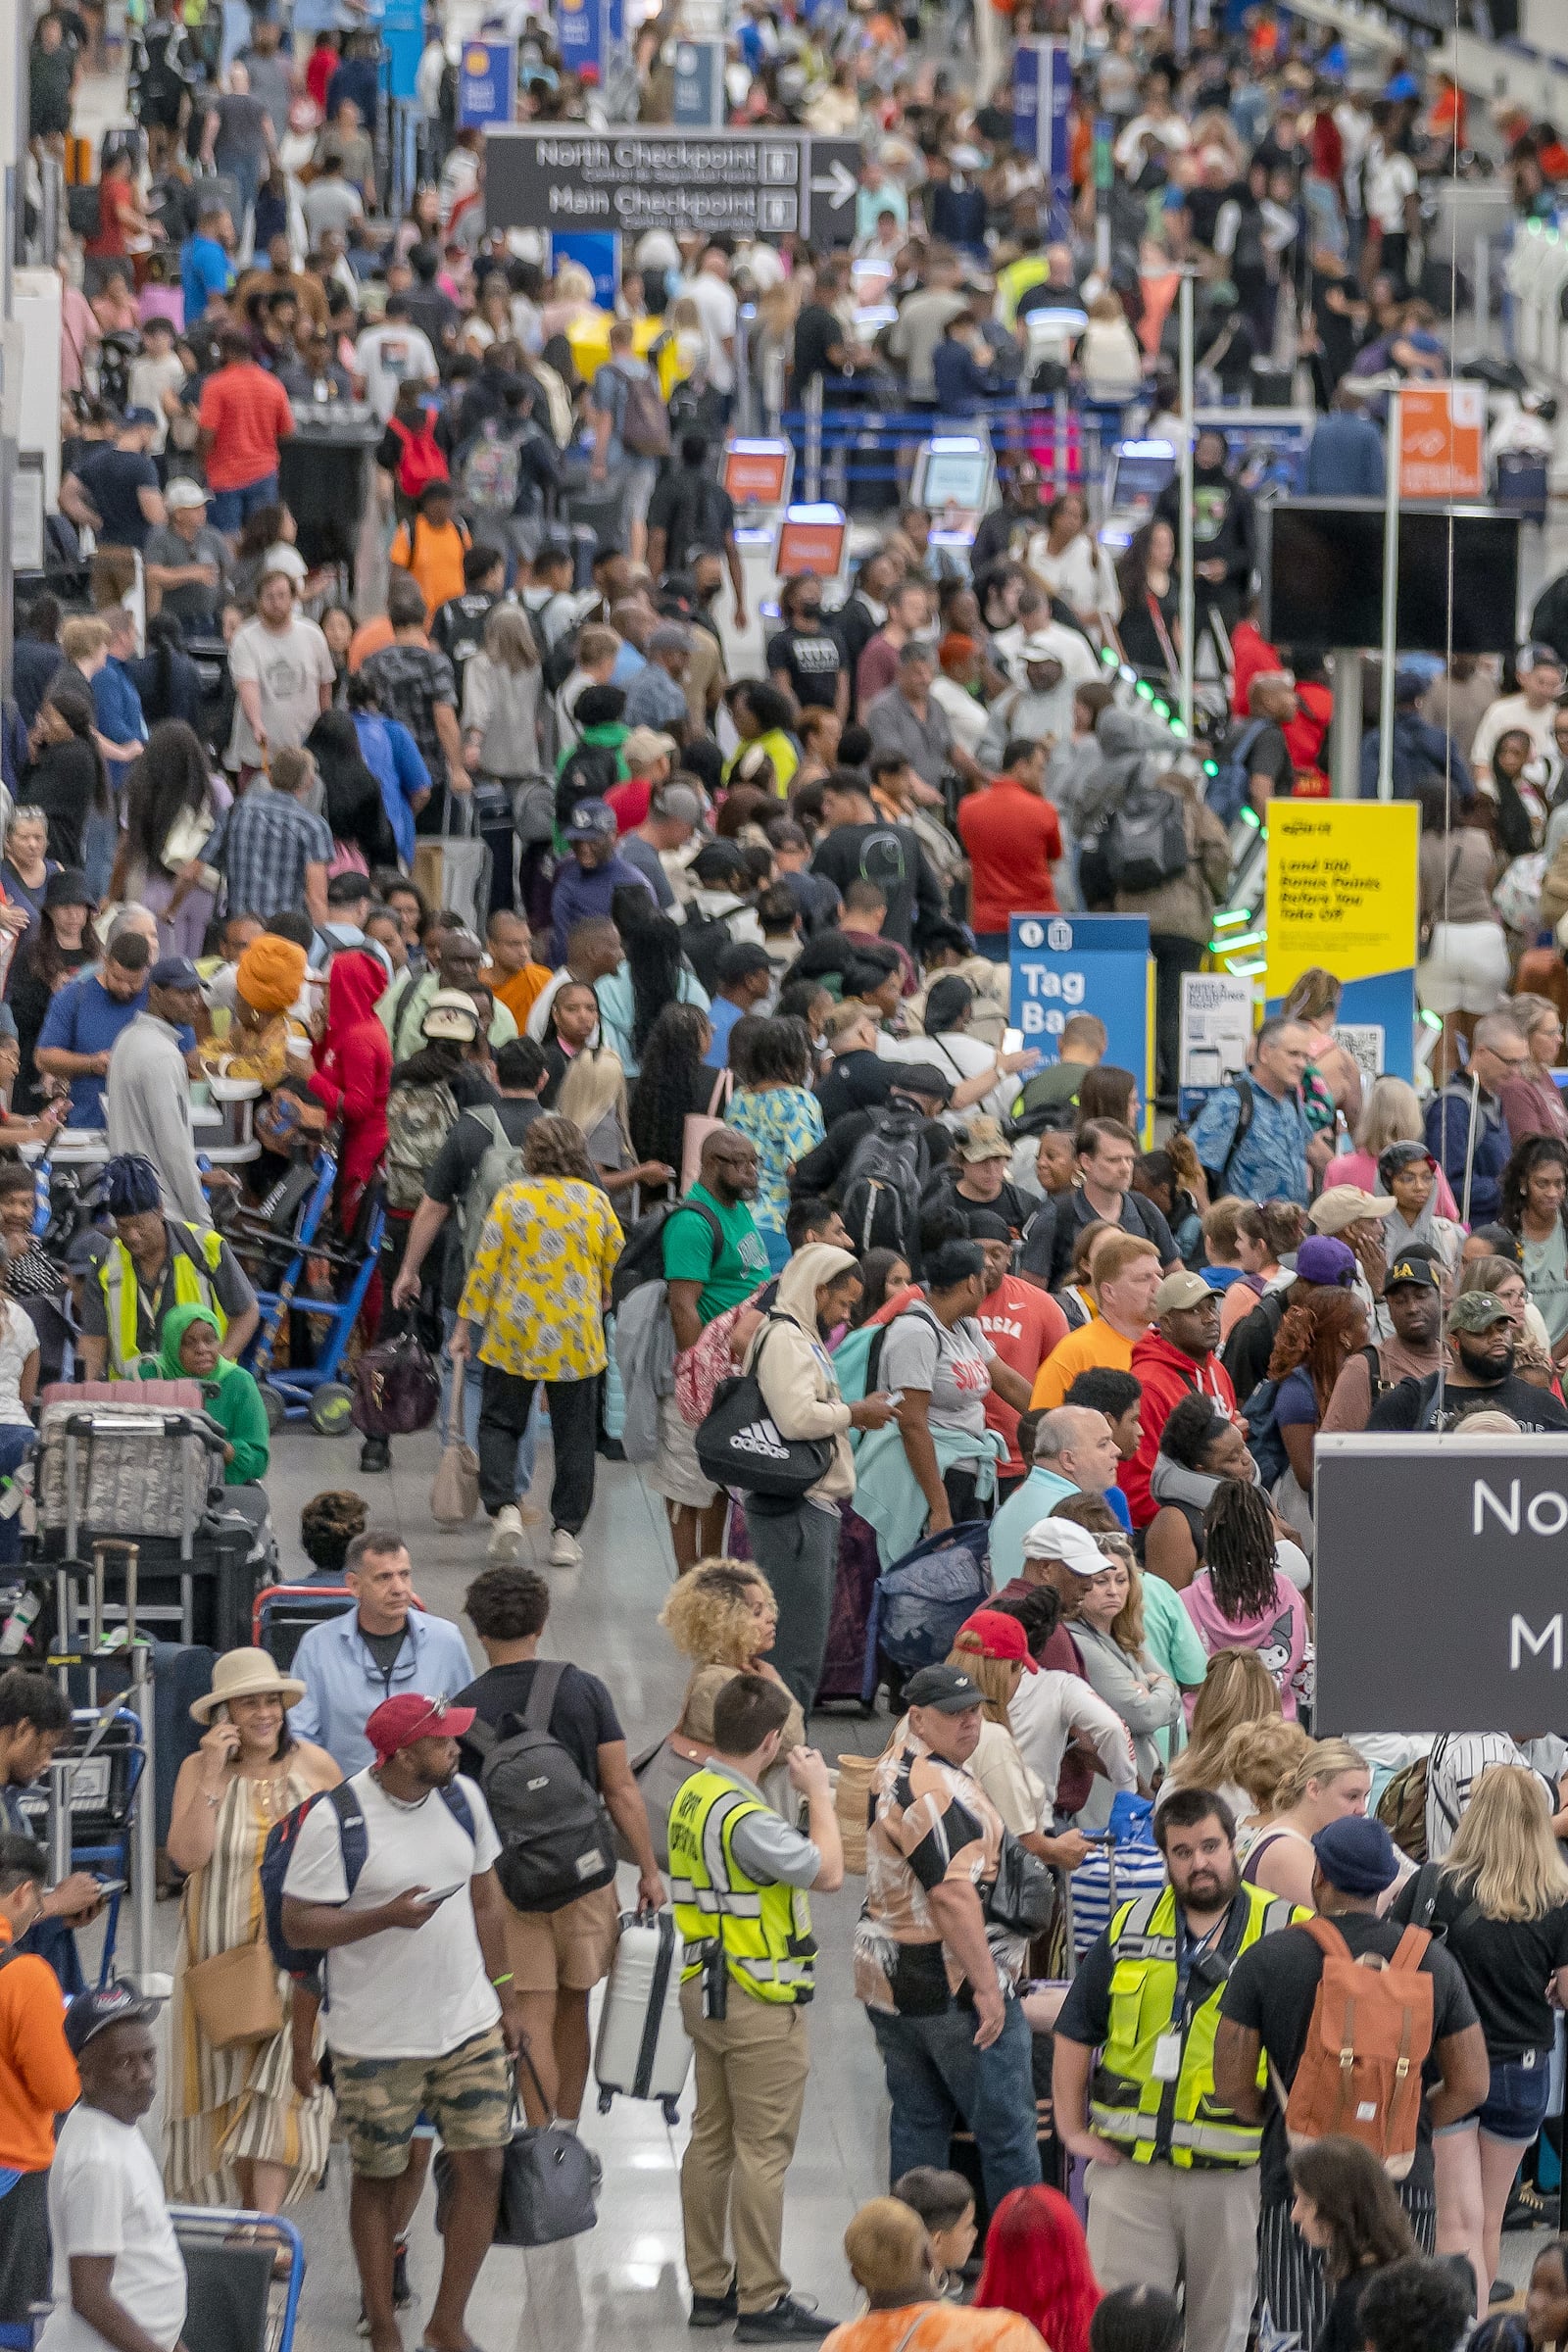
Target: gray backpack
x,y
555,1836
502,1164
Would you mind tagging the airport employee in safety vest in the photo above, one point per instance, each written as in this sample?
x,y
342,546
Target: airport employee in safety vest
x,y
1173,2180
739,1875
155,1262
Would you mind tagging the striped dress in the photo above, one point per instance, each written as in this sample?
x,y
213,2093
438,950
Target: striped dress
x,y
225,2106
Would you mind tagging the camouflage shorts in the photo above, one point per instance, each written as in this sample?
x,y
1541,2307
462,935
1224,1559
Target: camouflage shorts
x,y
466,2095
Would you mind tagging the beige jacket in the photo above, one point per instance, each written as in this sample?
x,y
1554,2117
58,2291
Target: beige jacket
x,y
793,1371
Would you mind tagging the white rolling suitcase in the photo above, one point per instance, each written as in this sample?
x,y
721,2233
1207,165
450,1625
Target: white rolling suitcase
x,y
642,2050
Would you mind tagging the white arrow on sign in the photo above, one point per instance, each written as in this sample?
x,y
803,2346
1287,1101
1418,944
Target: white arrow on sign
x,y
839,187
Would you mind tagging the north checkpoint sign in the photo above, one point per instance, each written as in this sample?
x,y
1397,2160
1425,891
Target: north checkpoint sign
x,y
744,183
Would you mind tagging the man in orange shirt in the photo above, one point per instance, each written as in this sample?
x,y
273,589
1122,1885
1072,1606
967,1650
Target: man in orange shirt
x,y
431,547
1012,837
38,2080
1127,1274
512,971
244,417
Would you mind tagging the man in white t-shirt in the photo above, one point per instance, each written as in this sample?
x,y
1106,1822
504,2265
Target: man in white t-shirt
x,y
282,672
1531,712
416,1960
718,311
394,352
119,2275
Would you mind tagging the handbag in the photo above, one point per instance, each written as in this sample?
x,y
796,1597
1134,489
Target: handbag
x,y
187,837
234,1996
547,2181
698,1126
739,1445
397,1389
1022,1896
455,1488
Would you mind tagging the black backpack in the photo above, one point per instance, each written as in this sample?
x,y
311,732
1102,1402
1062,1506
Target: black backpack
x,y
642,1260
560,662
555,1837
697,520
588,774
1146,841
879,1193
703,939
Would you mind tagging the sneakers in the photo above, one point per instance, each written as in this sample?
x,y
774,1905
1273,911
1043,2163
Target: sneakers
x,y
565,1550
375,1454
786,2321
506,1535
712,2311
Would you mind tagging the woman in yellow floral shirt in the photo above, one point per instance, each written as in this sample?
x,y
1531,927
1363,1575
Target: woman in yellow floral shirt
x,y
535,1297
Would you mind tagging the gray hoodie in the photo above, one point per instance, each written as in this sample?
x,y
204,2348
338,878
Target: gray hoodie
x,y
1128,745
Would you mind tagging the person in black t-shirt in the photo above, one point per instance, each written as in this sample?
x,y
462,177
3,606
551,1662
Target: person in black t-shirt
x,y
1266,2010
804,657
457,628
557,1957
115,492
1479,1377
859,846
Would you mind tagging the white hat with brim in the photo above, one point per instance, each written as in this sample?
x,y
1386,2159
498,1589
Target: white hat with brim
x,y
1065,1540
246,1674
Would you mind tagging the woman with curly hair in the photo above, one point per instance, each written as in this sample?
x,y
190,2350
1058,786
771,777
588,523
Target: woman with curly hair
x,y
674,1085
1239,1600
533,1310
1314,1342
723,1613
1534,1207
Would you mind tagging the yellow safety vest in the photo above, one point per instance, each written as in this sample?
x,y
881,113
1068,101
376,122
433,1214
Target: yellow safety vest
x,y
190,1250
1176,2121
761,1933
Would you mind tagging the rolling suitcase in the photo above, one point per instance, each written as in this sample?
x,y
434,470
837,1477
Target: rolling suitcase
x,y
642,2050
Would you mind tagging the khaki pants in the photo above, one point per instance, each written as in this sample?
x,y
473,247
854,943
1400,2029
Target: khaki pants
x,y
750,2085
1151,2225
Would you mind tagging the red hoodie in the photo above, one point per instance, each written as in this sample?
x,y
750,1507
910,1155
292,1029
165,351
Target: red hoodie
x,y
1166,1375
354,1062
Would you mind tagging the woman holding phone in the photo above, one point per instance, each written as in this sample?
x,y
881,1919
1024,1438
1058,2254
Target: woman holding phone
x,y
239,2133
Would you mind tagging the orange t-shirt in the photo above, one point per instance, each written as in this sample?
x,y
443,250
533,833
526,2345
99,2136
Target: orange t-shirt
x,y
367,639
522,991
247,412
432,556
39,2078
1093,1345
936,2328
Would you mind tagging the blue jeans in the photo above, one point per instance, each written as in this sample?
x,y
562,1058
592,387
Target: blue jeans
x,y
472,1388
16,1443
936,2076
232,508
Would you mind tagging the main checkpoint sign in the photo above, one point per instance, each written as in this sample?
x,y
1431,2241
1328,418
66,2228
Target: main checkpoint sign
x,y
744,183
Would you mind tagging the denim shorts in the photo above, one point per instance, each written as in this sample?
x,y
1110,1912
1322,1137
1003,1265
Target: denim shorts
x,y
1515,2104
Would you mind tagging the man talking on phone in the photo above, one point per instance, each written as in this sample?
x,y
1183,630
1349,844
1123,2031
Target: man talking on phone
x,y
422,2015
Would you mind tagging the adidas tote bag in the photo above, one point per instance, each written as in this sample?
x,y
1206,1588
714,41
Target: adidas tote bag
x,y
739,1445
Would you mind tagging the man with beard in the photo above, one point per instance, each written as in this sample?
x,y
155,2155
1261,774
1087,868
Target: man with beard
x,y
1478,1377
1173,2185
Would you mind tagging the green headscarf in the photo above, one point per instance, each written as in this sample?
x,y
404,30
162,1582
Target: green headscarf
x,y
177,1321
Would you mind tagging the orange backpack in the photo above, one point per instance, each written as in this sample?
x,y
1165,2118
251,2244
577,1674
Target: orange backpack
x,y
1371,2029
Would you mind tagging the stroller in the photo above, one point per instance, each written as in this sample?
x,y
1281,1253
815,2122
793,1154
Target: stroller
x,y
275,1241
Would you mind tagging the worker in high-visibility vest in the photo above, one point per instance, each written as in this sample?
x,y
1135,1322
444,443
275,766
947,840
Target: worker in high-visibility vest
x,y
1173,2180
153,1263
739,1875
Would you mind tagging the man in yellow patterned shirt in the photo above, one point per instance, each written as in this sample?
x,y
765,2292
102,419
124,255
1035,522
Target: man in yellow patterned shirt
x,y
535,1298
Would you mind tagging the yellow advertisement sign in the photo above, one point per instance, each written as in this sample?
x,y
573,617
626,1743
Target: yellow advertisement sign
x,y
1342,889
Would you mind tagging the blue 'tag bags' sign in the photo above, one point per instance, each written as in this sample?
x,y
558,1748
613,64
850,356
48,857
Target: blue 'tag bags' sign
x,y
1067,963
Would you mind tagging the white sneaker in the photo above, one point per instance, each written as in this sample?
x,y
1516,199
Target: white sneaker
x,y
565,1550
506,1536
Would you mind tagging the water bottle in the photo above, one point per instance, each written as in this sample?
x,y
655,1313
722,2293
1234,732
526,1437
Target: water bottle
x,y
20,1622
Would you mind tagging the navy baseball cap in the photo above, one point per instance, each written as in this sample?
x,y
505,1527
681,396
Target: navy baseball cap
x,y
591,820
175,971
93,2013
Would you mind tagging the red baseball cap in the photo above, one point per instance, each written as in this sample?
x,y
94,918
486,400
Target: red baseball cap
x,y
1001,1637
399,1722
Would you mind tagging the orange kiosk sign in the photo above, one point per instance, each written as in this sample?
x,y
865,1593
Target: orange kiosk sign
x,y
1443,441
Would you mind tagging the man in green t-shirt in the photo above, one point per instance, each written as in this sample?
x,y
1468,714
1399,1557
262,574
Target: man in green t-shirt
x,y
705,1273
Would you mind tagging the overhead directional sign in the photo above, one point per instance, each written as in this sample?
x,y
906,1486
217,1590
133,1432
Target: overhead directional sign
x,y
748,184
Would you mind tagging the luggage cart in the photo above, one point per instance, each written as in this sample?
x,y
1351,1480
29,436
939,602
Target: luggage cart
x,y
284,1614
85,1816
305,1392
84,1640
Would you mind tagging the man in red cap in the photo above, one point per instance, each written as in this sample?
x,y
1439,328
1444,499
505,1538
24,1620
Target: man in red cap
x,y
420,2013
